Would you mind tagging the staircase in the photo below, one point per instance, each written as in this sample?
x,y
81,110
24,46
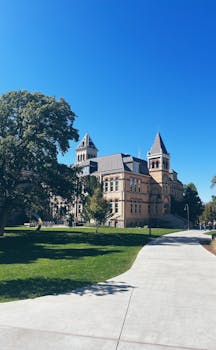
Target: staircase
x,y
172,221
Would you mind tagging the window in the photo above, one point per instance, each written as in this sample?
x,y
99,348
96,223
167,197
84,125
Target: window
x,y
111,206
153,165
116,206
135,207
139,185
140,208
165,164
111,185
106,185
131,206
135,185
131,185
157,164
117,184
136,167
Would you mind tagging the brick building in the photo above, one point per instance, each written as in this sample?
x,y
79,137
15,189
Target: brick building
x,y
137,190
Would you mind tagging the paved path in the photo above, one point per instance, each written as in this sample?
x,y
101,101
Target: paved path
x,y
167,300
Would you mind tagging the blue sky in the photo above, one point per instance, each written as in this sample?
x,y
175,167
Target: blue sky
x,y
128,68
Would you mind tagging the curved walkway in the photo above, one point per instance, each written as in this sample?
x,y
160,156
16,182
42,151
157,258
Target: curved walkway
x,y
167,300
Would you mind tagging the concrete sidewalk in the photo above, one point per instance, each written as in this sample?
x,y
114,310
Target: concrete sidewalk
x,y
167,300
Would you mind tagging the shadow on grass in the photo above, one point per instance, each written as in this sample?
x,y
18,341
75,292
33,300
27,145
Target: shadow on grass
x,y
65,237
35,287
28,254
28,246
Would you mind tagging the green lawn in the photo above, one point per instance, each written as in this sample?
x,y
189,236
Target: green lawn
x,y
58,260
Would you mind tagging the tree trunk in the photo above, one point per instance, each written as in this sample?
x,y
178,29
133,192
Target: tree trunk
x,y
39,224
96,227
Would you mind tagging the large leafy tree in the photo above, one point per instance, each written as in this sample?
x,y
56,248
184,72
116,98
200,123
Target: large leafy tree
x,y
33,129
191,197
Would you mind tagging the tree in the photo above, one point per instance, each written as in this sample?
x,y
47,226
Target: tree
x,y
209,213
194,202
97,208
177,206
33,129
213,182
89,184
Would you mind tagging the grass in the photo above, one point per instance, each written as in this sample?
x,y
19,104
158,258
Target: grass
x,y
56,261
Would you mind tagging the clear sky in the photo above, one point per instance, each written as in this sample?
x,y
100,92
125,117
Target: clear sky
x,y
128,68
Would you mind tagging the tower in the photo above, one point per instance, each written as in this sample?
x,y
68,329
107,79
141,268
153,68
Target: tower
x,y
159,168
85,150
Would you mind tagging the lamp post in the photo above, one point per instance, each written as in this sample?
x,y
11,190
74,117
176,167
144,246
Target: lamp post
x,y
149,220
188,215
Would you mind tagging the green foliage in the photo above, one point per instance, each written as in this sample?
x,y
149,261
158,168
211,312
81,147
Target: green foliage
x,y
85,188
213,182
177,207
209,213
96,207
90,183
33,129
194,202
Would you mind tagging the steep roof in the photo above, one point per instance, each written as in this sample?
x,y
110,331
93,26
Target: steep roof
x,y
112,163
117,163
158,146
86,142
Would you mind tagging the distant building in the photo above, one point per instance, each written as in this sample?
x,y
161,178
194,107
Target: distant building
x,y
137,190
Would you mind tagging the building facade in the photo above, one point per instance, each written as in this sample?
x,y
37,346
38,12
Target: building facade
x,y
138,190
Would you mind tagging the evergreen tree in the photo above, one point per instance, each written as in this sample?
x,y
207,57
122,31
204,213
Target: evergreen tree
x,y
194,202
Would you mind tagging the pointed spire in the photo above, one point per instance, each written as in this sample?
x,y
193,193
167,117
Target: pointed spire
x,y
87,142
86,150
158,146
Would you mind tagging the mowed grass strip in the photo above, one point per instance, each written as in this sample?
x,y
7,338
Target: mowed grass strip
x,y
55,261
